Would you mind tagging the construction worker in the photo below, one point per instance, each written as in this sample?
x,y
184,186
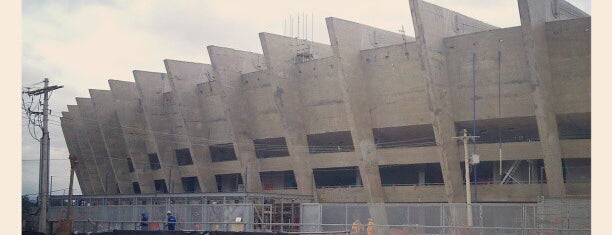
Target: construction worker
x,y
371,226
357,227
171,221
144,222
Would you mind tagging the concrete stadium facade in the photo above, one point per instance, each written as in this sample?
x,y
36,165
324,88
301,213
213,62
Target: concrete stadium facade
x,y
369,118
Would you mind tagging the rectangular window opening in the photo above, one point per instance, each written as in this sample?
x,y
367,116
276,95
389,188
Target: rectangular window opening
x,y
191,184
271,147
574,126
577,170
136,187
514,129
160,186
530,171
273,180
222,152
130,165
330,142
337,177
183,157
229,182
154,161
392,175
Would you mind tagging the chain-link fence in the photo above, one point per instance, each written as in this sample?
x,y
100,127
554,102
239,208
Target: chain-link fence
x,y
545,217
202,217
448,218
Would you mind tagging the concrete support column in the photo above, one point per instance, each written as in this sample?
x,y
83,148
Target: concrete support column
x,y
280,56
139,140
534,15
160,115
228,66
72,142
183,78
346,40
88,157
432,24
112,135
96,141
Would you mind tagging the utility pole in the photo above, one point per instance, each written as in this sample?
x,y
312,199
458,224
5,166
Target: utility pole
x,y
43,187
468,191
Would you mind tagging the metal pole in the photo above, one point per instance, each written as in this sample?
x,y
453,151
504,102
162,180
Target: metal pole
x,y
44,159
467,179
170,180
474,127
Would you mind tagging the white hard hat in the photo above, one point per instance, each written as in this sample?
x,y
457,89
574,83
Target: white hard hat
x,y
168,212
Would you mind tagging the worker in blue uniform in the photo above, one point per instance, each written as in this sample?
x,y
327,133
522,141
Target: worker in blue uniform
x,y
171,221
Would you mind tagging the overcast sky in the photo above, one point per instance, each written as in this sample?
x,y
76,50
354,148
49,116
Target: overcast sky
x,y
82,44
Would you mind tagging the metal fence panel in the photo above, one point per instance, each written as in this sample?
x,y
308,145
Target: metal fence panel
x,y
310,215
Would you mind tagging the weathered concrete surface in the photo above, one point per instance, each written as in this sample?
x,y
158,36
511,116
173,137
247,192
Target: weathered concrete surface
x,y
92,169
371,81
96,141
534,15
184,78
68,129
395,80
432,24
320,93
516,98
280,54
164,119
139,140
112,134
228,66
347,41
569,54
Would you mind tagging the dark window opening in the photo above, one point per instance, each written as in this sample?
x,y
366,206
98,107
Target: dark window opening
x,y
404,136
229,182
136,187
413,174
433,174
272,180
154,161
160,186
191,184
271,147
399,174
337,177
222,152
130,165
331,142
515,129
513,172
574,126
577,170
183,157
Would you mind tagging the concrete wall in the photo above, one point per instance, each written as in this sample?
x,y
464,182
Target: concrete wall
x,y
112,134
185,77
139,140
367,78
228,67
100,154
68,125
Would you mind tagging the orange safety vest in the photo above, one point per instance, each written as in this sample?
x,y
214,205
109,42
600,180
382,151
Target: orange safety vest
x,y
357,227
371,228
